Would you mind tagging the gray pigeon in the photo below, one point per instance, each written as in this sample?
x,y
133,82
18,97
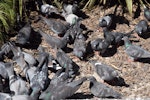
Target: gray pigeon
x,y
106,72
64,91
105,21
71,8
141,28
24,34
100,44
16,84
101,90
65,61
79,47
56,26
147,13
55,42
27,57
133,51
47,9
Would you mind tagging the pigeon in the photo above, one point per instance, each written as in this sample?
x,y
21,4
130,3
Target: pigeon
x,y
64,91
16,84
27,57
55,42
105,21
47,9
133,51
100,44
147,13
22,97
65,61
79,46
71,8
101,90
115,37
57,27
24,34
106,72
141,28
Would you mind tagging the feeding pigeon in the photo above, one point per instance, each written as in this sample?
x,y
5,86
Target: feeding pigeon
x,y
24,34
115,37
141,28
48,9
101,90
133,51
63,91
16,84
71,8
65,61
27,57
56,26
106,72
100,44
55,42
79,46
105,21
147,13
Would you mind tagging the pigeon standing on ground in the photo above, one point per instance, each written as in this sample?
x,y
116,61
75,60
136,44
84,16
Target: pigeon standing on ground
x,y
141,28
71,8
106,72
55,42
16,84
133,51
48,10
100,44
79,46
64,91
24,34
147,13
101,90
105,21
57,27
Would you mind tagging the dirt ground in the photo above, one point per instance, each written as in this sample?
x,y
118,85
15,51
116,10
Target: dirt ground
x,y
135,74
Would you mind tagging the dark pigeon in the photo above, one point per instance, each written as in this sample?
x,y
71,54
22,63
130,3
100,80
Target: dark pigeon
x,y
101,90
147,13
55,42
100,44
64,91
141,28
106,72
16,84
24,34
79,47
56,26
133,51
105,21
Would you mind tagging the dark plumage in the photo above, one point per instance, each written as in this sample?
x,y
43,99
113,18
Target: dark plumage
x,y
24,34
79,46
101,90
141,28
53,41
105,21
100,44
147,13
106,72
133,51
16,84
65,90
56,26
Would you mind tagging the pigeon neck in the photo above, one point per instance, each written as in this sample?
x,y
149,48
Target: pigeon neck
x,y
127,43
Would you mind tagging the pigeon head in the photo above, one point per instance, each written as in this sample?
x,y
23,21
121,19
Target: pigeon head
x,y
102,23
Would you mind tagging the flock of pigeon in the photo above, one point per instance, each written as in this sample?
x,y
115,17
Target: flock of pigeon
x,y
33,83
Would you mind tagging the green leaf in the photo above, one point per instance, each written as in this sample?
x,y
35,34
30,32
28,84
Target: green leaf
x,y
129,6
